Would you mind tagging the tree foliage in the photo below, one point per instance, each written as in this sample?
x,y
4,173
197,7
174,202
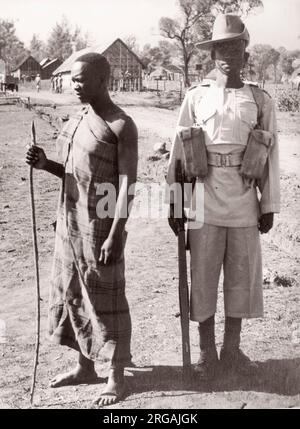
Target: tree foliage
x,y
160,55
63,40
79,39
132,43
263,56
12,50
240,7
194,23
274,57
37,48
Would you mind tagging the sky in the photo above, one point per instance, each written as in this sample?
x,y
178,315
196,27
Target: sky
x,y
278,25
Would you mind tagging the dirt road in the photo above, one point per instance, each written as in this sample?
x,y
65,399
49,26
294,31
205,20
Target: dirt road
x,y
156,380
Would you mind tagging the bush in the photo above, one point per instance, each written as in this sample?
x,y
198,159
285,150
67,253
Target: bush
x,y
288,100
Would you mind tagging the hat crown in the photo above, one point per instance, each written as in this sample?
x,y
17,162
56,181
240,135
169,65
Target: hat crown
x,y
226,27
227,24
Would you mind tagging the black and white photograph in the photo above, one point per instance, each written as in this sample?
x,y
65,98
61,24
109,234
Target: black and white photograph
x,y
150,207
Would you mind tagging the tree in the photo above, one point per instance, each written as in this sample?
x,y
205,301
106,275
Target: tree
x,y
274,57
37,48
131,42
263,56
260,60
160,55
63,40
241,7
195,23
204,59
285,61
12,50
60,41
288,62
145,55
181,30
79,40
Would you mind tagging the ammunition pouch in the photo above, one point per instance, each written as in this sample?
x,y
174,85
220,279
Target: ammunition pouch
x,y
256,154
195,154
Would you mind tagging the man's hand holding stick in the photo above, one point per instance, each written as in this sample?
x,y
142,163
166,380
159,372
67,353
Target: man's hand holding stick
x,y
35,248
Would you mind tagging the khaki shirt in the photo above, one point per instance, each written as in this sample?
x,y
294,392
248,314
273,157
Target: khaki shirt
x,y
227,116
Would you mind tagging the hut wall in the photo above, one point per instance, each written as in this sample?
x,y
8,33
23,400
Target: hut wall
x,y
66,83
126,70
121,60
49,69
30,68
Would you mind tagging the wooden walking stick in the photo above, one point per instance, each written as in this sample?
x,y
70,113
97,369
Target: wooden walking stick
x,y
183,283
36,258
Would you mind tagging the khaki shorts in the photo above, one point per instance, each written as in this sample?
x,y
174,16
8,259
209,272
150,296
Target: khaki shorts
x,y
238,250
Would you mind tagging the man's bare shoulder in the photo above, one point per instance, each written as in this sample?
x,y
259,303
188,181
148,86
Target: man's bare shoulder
x,y
123,125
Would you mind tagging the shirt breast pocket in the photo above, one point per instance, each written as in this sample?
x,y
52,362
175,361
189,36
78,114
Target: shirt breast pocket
x,y
248,120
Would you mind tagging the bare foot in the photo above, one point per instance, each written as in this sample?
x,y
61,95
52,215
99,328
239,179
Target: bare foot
x,y
113,392
77,375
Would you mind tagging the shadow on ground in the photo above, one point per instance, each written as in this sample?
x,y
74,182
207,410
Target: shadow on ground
x,y
281,377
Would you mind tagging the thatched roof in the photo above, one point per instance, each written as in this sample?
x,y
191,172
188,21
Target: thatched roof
x,y
66,66
47,64
22,61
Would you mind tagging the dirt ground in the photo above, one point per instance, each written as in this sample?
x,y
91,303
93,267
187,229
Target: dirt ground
x,y
156,380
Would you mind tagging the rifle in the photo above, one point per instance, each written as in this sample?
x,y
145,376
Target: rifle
x,y
183,283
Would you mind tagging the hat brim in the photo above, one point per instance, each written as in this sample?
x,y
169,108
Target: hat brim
x,y
208,44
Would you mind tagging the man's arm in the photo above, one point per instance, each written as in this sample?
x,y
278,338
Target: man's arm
x,y
186,118
55,168
36,157
269,185
127,167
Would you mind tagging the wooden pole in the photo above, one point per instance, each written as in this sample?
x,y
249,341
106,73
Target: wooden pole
x,y
139,79
36,257
180,91
183,282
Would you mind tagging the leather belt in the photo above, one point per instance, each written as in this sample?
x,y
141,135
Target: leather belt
x,y
225,160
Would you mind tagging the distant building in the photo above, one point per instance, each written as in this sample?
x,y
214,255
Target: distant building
x,y
295,79
27,69
45,61
126,67
2,71
170,72
49,66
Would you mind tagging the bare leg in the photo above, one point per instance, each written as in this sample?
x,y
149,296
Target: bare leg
x,y
84,372
114,390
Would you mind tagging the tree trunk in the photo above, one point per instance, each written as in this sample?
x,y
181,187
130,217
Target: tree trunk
x,y
186,73
186,61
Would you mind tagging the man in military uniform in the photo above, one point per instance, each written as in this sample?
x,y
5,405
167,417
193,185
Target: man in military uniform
x,y
229,112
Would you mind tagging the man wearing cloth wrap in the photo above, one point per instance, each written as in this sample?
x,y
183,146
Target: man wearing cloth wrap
x,y
88,308
236,207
